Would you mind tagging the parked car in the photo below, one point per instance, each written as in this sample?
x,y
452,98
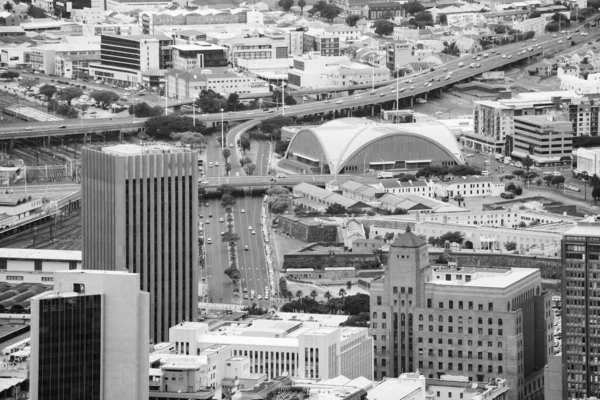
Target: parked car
x,y
507,195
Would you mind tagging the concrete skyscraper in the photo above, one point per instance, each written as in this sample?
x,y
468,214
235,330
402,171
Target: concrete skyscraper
x,y
140,214
89,338
581,310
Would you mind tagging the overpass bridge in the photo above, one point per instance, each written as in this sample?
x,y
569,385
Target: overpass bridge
x,y
266,181
386,97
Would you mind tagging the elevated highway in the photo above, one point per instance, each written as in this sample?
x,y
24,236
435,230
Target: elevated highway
x,y
411,87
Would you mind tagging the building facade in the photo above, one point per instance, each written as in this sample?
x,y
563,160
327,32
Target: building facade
x,y
140,214
580,281
36,266
89,338
478,322
256,48
198,55
321,43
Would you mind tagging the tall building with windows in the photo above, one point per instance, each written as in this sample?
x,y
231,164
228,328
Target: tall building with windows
x,y
140,215
581,310
460,320
89,338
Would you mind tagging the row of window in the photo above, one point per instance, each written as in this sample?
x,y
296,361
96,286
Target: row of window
x,y
450,329
460,303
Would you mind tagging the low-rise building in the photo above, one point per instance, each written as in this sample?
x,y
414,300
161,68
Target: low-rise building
x,y
43,58
126,6
580,85
384,10
36,266
313,198
545,138
256,48
187,84
77,66
469,187
310,346
588,160
198,55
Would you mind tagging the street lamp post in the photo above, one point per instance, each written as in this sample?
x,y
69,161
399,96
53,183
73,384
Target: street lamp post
x,y
282,98
222,132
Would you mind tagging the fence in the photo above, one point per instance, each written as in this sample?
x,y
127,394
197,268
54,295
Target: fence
x,y
579,196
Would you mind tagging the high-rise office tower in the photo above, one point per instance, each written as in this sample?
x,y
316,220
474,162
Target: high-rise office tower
x,y
581,310
481,322
140,215
89,338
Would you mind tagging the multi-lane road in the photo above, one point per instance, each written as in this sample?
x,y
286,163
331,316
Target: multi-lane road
x,y
247,224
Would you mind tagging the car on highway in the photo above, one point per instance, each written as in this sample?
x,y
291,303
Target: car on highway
x,y
327,101
246,248
231,145
556,173
210,164
221,219
509,56
266,296
254,232
445,69
461,65
250,113
250,228
286,107
201,215
339,102
246,297
222,233
412,88
209,241
573,188
259,296
357,96
205,182
242,211
381,94
216,163
470,155
207,221
62,127
206,204
210,215
401,90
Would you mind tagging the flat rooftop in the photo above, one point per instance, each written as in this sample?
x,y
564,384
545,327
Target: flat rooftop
x,y
496,278
589,227
137,150
36,254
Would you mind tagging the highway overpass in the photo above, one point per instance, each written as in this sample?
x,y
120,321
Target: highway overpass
x,y
265,181
411,87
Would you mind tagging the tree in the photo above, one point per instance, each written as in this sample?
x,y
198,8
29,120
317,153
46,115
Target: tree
x,y
443,19
301,4
28,83
328,295
352,19
413,7
535,14
299,294
48,91
558,180
314,294
8,6
318,7
10,75
548,179
510,246
286,4
67,110
245,144
527,163
227,200
596,194
330,12
233,101
552,27
562,19
211,102
227,168
233,274
342,294
336,209
595,181
389,236
383,27
423,18
145,110
349,285
250,168
163,126
538,182
68,94
226,189
226,153
273,126
518,173
245,160
36,12
194,139
104,98
279,206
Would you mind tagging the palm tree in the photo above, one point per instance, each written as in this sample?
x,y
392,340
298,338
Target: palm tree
x,y
342,294
328,295
314,294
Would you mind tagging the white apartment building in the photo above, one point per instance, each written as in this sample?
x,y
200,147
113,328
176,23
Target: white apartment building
x,y
128,6
43,57
420,188
588,160
319,71
537,25
307,346
36,266
187,84
591,85
405,33
469,187
89,16
464,18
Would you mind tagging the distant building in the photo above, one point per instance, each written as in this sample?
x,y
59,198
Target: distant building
x,y
545,138
66,8
256,48
187,84
123,59
87,335
36,266
140,215
384,10
469,187
149,20
481,322
131,5
198,55
588,160
43,58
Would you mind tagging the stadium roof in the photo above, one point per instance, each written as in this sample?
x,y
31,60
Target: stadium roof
x,y
342,138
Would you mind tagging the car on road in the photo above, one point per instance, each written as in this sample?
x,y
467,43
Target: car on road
x,y
205,182
249,228
201,215
470,155
254,232
210,164
246,248
280,175
547,173
222,233
381,94
573,188
556,173
509,56
231,145
206,204
560,41
250,113
221,219
286,107
216,163
327,101
518,164
62,127
460,65
507,195
357,96
412,88
266,296
209,241
339,102
259,297
242,211
209,215
207,221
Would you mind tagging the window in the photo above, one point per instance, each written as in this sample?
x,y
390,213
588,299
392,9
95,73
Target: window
x,y
383,316
500,321
460,305
374,325
490,306
440,319
378,300
490,369
500,332
451,304
479,321
441,304
383,325
428,303
499,369
395,289
470,305
420,317
374,315
3,263
431,318
499,345
499,356
440,353
490,322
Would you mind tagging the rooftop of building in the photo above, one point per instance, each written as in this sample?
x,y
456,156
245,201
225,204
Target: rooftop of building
x,y
588,227
197,46
139,38
11,200
41,254
407,239
137,150
546,119
493,277
395,388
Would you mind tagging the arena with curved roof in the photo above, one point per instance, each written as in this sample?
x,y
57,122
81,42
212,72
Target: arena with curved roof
x,y
356,145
